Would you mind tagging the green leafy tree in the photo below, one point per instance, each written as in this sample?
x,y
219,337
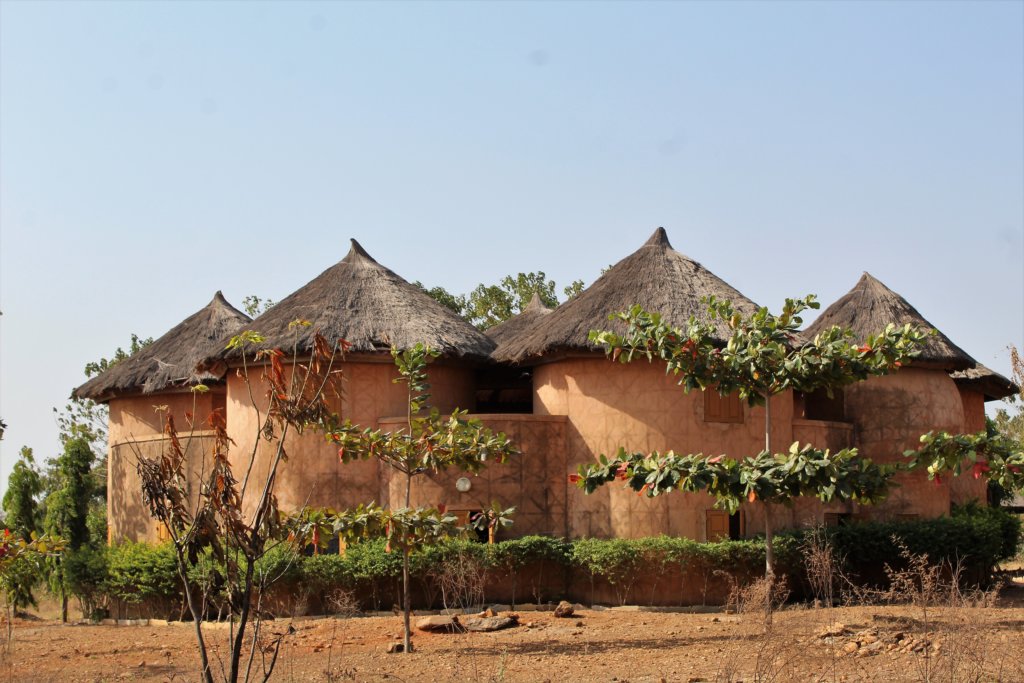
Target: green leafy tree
x,y
21,561
67,509
573,289
21,504
254,306
488,305
455,302
762,357
429,442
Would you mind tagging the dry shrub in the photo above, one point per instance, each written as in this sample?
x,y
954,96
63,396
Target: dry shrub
x,y
822,566
461,578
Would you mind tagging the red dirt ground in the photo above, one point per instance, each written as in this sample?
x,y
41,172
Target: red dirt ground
x,y
984,643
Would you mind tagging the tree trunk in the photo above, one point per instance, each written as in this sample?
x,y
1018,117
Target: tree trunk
x,y
406,604
63,607
406,598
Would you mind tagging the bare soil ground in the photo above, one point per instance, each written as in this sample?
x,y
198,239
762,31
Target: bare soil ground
x,y
887,643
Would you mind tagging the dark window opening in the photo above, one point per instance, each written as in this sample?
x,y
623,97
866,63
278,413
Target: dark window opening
x,y
818,405
502,389
833,519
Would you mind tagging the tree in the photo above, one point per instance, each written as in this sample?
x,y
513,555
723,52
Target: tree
x,y
429,442
21,560
209,520
455,302
573,289
21,506
762,357
67,509
254,306
488,305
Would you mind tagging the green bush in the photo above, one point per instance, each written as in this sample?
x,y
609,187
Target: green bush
x,y
86,574
137,572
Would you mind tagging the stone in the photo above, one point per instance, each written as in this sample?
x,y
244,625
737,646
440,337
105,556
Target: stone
x,y
564,609
440,623
500,608
833,630
394,648
850,648
492,623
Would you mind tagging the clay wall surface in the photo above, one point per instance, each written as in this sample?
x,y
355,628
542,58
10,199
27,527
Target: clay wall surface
x,y
313,475
890,414
966,488
534,482
136,429
637,406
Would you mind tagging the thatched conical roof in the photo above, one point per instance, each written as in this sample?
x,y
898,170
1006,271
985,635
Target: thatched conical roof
x,y
173,358
366,304
994,386
870,306
655,276
516,324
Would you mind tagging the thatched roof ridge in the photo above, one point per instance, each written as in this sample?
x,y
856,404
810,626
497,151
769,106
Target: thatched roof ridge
x,y
508,329
368,305
870,306
994,386
172,359
655,276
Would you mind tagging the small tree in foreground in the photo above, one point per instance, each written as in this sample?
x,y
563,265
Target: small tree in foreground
x,y
763,356
429,442
216,522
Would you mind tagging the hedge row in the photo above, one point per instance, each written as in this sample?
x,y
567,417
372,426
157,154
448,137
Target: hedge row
x,y
542,567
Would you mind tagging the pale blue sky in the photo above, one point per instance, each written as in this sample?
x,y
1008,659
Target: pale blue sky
x,y
152,153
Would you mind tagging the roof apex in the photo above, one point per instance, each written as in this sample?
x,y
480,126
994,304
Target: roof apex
x,y
357,254
659,238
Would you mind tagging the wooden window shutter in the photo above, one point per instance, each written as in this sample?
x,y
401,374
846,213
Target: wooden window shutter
x,y
718,408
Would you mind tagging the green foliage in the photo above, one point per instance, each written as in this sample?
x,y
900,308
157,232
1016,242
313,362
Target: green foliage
x,y
254,306
139,571
986,454
778,478
517,553
67,507
21,509
762,355
21,565
85,576
488,305
979,538
456,303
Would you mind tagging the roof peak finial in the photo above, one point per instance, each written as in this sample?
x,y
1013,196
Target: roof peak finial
x,y
536,303
356,253
658,239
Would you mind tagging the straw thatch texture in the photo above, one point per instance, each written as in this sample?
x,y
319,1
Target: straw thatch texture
x,y
172,359
655,276
518,323
989,382
870,306
372,308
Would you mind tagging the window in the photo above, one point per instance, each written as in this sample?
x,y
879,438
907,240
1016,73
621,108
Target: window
x,y
837,518
718,408
721,526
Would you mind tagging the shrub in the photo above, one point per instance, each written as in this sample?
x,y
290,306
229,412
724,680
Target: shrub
x,y
138,572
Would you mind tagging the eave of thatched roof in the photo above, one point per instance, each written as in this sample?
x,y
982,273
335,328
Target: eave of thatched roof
x,y
170,361
510,328
870,306
372,308
994,386
655,276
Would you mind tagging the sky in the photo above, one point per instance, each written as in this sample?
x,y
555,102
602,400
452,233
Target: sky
x,y
152,153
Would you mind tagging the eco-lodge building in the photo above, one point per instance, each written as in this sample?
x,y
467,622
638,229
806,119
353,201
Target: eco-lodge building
x,y
537,379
